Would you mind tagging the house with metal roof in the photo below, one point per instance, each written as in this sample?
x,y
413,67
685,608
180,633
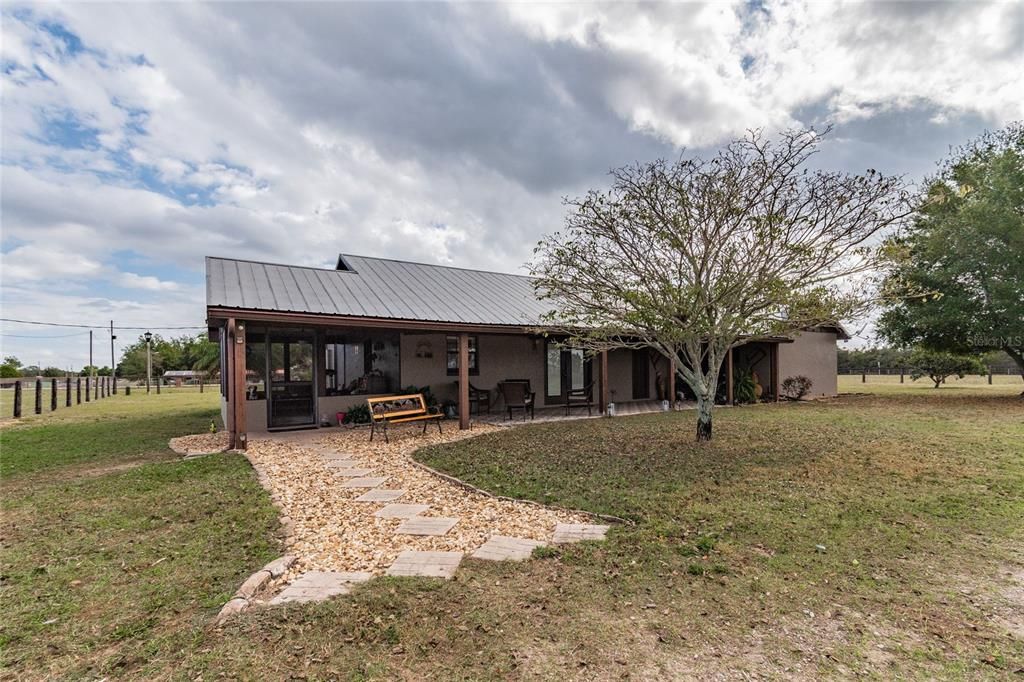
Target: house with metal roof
x,y
299,345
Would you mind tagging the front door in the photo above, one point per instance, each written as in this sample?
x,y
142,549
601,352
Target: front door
x,y
641,374
292,395
565,369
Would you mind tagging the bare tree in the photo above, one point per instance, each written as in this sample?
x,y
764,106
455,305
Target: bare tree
x,y
694,257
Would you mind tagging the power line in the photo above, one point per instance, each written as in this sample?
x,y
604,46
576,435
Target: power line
x,y
93,326
31,336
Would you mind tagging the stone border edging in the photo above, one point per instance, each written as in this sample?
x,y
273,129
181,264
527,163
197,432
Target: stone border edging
x,y
243,598
472,488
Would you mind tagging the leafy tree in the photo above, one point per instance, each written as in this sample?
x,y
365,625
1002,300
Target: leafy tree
x,y
694,257
938,365
10,368
54,372
957,277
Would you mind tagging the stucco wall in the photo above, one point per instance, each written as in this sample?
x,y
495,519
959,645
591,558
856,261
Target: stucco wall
x,y
812,354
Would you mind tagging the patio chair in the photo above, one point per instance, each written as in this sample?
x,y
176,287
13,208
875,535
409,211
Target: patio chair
x,y
517,395
479,397
580,397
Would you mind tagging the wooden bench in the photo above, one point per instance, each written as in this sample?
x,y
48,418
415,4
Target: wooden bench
x,y
399,409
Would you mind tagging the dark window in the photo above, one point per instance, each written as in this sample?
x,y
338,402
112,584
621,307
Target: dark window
x,y
452,356
362,364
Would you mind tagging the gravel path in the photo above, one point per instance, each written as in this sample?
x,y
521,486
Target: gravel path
x,y
334,532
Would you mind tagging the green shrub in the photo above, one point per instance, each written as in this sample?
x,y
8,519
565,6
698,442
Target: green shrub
x,y
796,387
358,414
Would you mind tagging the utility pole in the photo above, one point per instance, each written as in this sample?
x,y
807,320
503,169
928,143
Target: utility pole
x,y
149,359
113,374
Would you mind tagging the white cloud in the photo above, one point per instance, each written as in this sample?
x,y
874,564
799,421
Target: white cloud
x,y
131,280
445,133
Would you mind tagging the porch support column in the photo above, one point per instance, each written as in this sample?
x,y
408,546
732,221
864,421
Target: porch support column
x,y
603,400
728,377
775,371
236,383
671,384
463,381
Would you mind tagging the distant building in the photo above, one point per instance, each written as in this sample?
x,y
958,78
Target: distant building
x,y
180,377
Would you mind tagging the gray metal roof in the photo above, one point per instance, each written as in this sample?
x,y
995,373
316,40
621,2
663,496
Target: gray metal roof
x,y
376,287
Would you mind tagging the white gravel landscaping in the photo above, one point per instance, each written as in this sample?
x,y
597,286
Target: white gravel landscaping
x,y
332,531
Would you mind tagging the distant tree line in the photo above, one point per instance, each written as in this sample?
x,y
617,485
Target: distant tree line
x,y
183,353
891,359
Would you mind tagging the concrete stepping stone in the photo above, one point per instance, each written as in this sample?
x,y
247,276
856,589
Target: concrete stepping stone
x,y
341,463
578,532
338,456
426,525
319,585
505,548
353,471
364,482
401,511
427,564
380,495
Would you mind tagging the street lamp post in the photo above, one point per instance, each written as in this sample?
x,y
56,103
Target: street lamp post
x,y
149,358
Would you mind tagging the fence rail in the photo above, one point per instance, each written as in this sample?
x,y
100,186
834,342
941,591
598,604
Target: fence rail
x,y
865,373
46,393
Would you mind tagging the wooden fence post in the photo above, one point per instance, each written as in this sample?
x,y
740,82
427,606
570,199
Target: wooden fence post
x,y
158,382
113,382
67,391
87,391
127,389
901,375
78,390
990,375
17,399
863,377
53,395
96,388
39,396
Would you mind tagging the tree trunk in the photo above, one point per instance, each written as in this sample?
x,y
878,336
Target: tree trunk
x,y
1018,358
704,404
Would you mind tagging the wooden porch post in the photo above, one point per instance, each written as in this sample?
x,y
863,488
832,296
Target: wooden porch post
x,y
236,390
464,381
603,400
728,377
775,371
671,384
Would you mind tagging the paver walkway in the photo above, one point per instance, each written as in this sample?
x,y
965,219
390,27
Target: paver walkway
x,y
319,585
401,511
426,525
346,523
504,548
426,564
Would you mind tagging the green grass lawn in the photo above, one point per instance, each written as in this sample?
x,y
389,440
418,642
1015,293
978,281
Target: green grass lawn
x,y
915,497
116,553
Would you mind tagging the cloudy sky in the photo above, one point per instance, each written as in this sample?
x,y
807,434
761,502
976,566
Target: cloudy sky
x,y
138,138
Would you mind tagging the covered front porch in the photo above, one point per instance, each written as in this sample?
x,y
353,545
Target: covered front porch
x,y
286,372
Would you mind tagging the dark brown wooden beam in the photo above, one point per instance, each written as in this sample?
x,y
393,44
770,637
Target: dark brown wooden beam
x,y
775,370
603,361
671,384
236,409
464,381
729,398
329,321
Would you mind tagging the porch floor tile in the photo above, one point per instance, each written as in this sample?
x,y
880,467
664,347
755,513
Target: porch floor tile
x,y
577,532
426,525
505,548
427,564
364,482
380,495
401,511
